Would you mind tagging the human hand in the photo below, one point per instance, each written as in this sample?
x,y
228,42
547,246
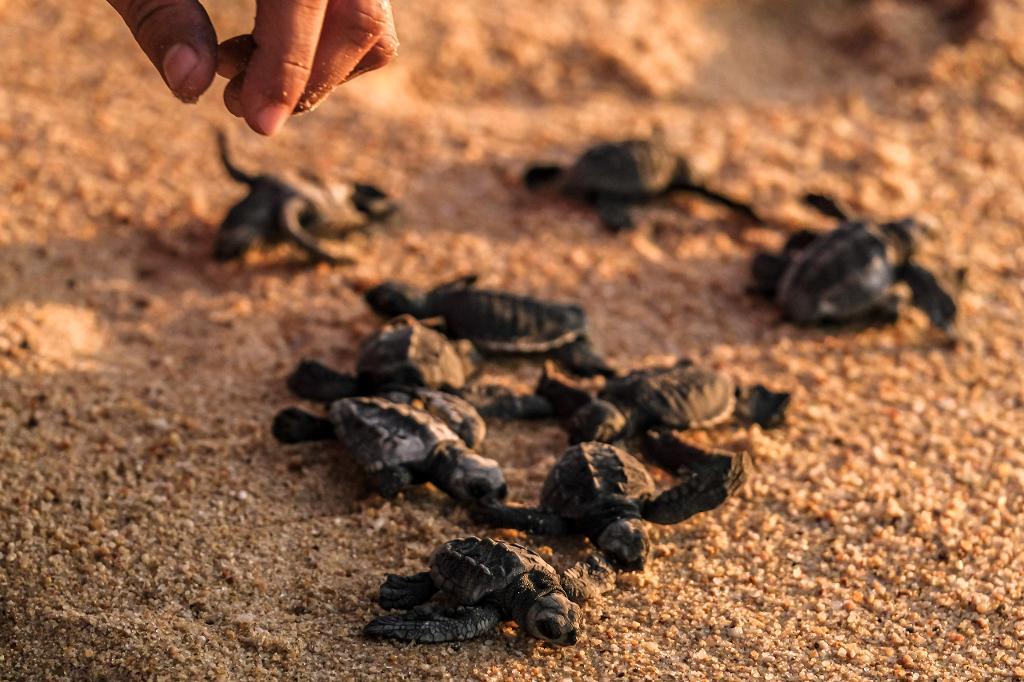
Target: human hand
x,y
298,52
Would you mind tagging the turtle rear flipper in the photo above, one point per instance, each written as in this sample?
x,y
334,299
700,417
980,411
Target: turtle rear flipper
x,y
293,425
406,591
929,296
711,484
313,380
432,624
565,394
759,405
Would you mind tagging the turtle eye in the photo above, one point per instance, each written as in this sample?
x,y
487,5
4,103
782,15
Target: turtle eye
x,y
548,628
478,489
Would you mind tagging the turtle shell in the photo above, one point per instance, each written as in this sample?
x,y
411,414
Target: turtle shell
x,y
631,169
681,397
838,276
503,322
460,416
590,473
470,569
408,353
380,434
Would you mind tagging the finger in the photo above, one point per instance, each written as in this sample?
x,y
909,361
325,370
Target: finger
x,y
286,35
233,95
233,55
353,31
178,38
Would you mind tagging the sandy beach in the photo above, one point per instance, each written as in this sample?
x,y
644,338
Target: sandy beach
x,y
151,527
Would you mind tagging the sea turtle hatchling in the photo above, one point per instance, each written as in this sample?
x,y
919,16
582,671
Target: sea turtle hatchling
x,y
613,176
497,322
682,396
847,274
488,581
604,493
301,209
403,352
398,446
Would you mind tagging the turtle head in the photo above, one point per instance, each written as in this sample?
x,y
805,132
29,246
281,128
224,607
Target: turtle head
x,y
468,477
392,299
625,543
597,421
554,618
904,236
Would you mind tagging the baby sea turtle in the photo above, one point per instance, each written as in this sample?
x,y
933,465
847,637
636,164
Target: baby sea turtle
x,y
847,274
683,396
604,493
398,446
404,352
295,208
613,176
489,581
497,322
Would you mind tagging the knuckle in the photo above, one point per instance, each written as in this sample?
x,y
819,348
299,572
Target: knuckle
x,y
365,21
289,81
146,15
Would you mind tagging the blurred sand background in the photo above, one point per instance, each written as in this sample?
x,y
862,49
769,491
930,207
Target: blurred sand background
x,y
149,524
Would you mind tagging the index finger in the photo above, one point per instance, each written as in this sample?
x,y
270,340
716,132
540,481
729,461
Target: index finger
x,y
286,35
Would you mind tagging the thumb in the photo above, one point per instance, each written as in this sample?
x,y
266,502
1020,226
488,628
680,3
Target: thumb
x,y
178,38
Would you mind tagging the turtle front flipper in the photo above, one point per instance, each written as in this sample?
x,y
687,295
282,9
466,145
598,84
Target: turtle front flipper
x,y
614,213
930,297
406,591
588,579
581,358
760,406
677,456
430,624
313,380
389,481
715,197
290,221
713,481
827,206
542,175
528,519
293,425
234,171
767,270
501,402
565,393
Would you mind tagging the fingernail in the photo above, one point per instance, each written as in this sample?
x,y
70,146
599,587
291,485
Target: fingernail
x,y
271,118
179,63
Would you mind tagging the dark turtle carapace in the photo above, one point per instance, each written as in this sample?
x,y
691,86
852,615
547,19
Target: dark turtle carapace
x,y
403,353
613,176
398,446
486,582
604,493
300,209
847,274
497,322
681,396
